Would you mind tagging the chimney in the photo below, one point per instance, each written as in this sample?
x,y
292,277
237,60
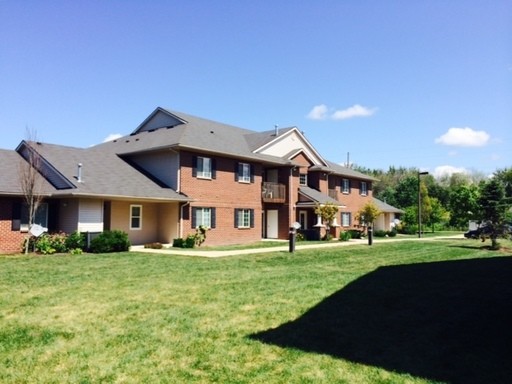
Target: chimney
x,y
276,129
79,174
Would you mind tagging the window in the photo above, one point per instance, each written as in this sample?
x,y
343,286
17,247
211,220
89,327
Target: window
x,y
345,186
364,188
135,216
244,173
41,216
345,219
203,217
204,167
244,218
303,179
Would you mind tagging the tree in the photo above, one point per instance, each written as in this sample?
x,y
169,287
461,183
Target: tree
x,y
30,182
368,214
463,204
493,209
327,212
438,214
407,191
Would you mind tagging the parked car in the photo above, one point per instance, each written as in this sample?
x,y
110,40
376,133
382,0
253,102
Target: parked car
x,y
483,231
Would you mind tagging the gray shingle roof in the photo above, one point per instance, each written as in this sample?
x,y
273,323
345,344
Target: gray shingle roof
x,y
317,197
384,207
103,174
10,163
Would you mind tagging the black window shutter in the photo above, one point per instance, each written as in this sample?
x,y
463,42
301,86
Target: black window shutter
x,y
236,217
214,169
16,216
349,186
194,210
212,217
237,170
251,213
194,166
349,219
252,173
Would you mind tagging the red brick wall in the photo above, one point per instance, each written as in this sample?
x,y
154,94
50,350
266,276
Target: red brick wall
x,y
225,194
10,241
354,201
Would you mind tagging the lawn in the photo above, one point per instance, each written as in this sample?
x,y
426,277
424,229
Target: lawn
x,y
396,312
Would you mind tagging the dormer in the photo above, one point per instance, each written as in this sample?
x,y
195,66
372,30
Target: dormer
x,y
160,118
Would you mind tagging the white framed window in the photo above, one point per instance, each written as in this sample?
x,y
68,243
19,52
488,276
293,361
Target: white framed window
x,y
204,167
244,172
135,217
364,188
345,219
244,218
345,186
303,179
202,217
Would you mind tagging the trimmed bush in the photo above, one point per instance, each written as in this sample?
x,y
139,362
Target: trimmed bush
x,y
110,241
380,233
76,240
345,236
355,233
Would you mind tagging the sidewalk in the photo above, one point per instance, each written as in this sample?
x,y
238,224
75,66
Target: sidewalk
x,y
280,248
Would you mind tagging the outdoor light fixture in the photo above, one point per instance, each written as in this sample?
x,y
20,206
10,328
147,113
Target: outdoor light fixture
x,y
419,202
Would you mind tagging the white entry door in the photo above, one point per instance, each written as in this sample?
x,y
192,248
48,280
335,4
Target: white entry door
x,y
272,224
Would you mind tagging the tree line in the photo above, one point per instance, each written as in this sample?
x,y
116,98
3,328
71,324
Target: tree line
x,y
447,202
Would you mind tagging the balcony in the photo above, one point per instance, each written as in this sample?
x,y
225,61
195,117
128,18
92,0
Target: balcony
x,y
333,194
273,193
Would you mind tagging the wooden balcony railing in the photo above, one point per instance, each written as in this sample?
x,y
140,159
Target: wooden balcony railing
x,y
273,193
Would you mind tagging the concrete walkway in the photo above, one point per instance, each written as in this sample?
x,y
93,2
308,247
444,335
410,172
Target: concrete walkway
x,y
280,248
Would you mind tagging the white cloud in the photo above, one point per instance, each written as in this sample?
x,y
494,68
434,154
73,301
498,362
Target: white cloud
x,y
464,137
112,136
319,112
448,170
353,111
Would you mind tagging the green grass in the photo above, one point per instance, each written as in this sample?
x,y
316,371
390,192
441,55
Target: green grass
x,y
314,316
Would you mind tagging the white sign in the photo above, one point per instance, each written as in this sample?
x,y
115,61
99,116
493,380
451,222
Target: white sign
x,y
37,230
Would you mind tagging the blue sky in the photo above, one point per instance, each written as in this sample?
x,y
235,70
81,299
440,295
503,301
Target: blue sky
x,y
424,84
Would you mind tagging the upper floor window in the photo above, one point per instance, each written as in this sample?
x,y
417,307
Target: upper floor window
x,y
203,217
345,186
244,218
364,188
244,173
303,179
135,216
203,167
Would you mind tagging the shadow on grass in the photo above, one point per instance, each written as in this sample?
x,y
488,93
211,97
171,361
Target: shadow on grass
x,y
448,321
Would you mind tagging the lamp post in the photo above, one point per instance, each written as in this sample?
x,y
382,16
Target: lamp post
x,y
419,202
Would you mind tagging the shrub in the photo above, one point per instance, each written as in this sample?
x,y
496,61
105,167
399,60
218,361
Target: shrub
x,y
178,243
190,241
48,244
345,236
75,240
110,241
380,233
355,233
392,233
43,244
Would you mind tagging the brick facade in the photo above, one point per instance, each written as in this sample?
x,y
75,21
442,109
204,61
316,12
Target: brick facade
x,y
225,194
10,241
